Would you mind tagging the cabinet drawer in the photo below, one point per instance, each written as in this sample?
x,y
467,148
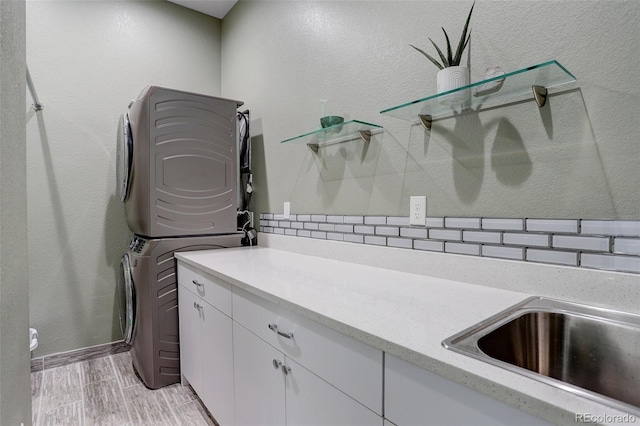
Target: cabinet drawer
x,y
350,365
213,290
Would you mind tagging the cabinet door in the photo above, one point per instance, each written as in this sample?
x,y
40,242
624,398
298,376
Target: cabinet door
x,y
217,364
313,401
415,396
259,385
350,365
190,339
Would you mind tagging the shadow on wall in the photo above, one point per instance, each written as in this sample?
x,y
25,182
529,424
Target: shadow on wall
x,y
467,155
609,193
70,268
509,158
346,174
331,164
506,160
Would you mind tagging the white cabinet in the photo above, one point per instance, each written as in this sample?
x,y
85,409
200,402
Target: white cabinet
x,y
190,338
271,389
312,401
290,369
265,365
347,364
416,396
259,383
217,364
253,362
206,341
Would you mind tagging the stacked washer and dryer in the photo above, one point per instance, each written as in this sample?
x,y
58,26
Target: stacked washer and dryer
x,y
177,176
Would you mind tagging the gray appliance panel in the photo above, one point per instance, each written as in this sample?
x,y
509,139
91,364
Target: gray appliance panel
x,y
183,178
155,347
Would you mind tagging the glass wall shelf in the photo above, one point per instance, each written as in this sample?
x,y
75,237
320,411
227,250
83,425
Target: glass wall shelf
x,y
532,80
340,132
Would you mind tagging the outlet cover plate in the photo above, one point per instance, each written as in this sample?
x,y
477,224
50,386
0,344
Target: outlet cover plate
x,y
417,210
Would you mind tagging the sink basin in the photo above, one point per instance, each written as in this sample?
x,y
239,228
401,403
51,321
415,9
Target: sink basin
x,y
589,351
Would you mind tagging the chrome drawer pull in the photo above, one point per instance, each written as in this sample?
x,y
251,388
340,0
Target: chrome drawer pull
x,y
197,306
286,369
197,283
274,328
276,364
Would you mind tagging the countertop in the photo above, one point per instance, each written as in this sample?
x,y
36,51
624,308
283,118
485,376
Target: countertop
x,y
406,315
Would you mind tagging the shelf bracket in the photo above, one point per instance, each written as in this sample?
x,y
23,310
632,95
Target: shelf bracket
x,y
540,95
425,120
365,135
313,147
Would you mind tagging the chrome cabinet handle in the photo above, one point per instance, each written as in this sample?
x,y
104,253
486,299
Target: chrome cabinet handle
x,y
286,369
276,364
197,283
274,328
197,306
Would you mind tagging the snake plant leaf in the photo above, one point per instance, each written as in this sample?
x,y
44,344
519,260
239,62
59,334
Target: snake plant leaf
x,y
449,53
444,60
463,40
429,57
450,60
466,42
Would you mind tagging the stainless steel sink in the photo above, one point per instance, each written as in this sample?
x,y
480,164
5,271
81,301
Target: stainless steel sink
x,y
589,351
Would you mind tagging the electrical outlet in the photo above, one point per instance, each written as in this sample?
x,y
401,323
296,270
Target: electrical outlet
x,y
287,209
417,210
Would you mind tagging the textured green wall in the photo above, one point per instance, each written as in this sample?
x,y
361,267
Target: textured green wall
x,y
88,60
15,386
576,158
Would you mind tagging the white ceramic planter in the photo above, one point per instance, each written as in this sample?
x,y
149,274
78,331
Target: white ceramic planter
x,y
452,78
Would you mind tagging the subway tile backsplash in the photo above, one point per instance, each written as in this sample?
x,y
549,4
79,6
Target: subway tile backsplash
x,y
445,234
462,248
503,224
603,261
630,228
597,244
462,222
481,237
553,256
514,253
626,246
569,226
522,239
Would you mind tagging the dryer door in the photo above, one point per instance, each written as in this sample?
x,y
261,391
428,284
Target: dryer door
x,y
127,302
124,154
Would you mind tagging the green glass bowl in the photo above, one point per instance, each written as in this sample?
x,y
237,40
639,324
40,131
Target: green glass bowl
x,y
331,120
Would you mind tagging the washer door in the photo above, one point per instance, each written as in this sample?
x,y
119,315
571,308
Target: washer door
x,y
127,302
124,154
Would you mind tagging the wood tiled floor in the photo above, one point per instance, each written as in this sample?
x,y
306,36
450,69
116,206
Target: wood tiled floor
x,y
106,391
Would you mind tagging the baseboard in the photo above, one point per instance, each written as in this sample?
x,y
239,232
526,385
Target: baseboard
x,y
63,358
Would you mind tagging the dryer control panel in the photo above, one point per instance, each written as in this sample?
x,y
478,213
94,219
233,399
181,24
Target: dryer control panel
x,y
137,244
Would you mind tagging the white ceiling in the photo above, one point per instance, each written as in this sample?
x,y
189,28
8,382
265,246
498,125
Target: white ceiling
x,y
215,8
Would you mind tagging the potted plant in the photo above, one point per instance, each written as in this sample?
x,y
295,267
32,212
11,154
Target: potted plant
x,y
451,75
